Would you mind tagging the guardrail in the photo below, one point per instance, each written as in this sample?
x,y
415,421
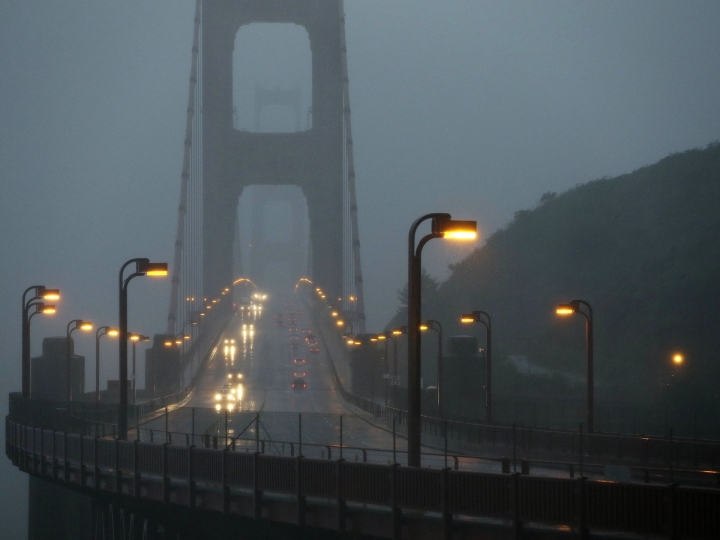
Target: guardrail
x,y
218,480
471,437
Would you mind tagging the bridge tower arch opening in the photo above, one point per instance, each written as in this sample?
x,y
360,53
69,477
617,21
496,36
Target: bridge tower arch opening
x,y
272,236
272,78
311,159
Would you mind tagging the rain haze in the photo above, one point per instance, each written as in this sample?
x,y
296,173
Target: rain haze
x,y
472,108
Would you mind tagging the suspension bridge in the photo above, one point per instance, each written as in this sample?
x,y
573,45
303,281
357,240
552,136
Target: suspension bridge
x,y
251,423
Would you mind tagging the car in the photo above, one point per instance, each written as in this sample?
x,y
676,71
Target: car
x,y
225,394
299,383
229,342
234,376
314,349
302,374
299,361
225,399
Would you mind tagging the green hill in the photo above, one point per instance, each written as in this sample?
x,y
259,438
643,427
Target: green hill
x,y
642,248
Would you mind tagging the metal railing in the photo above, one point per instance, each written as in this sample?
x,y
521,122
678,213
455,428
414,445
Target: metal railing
x,y
471,437
185,473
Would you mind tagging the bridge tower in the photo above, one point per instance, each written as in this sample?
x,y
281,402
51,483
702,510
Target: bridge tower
x,y
314,159
264,250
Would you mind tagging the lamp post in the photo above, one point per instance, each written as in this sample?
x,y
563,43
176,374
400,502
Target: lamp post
x,y
100,332
71,327
45,309
484,318
135,338
142,267
443,226
191,322
399,331
571,308
41,307
40,292
432,324
385,337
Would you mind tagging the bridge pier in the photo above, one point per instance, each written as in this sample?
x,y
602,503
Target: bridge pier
x,y
68,512
56,513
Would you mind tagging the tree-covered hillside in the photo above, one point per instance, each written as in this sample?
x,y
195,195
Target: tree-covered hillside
x,y
642,248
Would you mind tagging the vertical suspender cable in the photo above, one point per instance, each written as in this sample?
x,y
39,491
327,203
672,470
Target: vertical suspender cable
x,y
358,282
182,208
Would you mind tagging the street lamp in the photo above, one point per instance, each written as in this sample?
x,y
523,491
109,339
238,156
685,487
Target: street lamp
x,y
384,338
484,318
40,292
443,226
45,309
431,324
135,338
100,332
569,309
143,267
394,334
191,322
41,307
86,326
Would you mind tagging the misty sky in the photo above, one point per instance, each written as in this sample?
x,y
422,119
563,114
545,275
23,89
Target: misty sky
x,y
473,108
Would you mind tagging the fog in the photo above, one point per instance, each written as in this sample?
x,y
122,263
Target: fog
x,y
472,108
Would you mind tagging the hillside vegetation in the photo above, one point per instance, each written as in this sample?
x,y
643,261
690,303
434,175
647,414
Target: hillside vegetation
x,y
642,248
